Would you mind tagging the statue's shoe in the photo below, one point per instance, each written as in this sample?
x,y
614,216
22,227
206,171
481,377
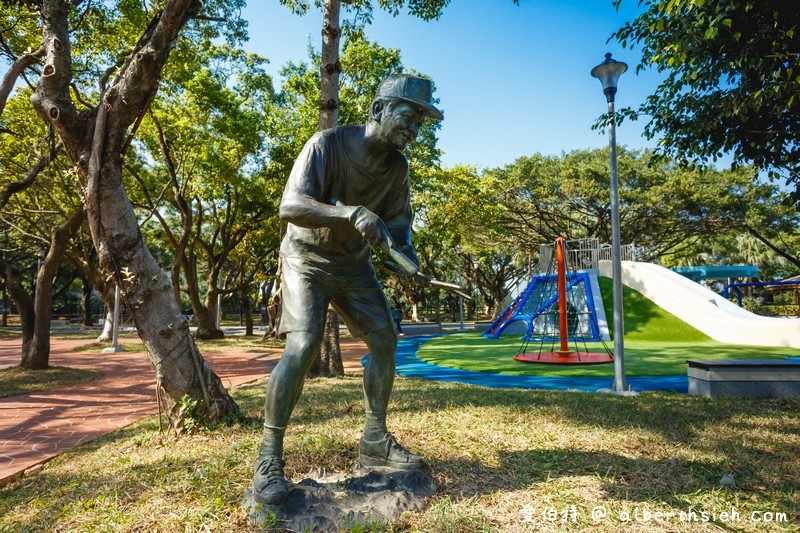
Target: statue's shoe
x,y
388,454
269,484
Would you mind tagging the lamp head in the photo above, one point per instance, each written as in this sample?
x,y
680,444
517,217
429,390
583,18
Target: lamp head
x,y
608,72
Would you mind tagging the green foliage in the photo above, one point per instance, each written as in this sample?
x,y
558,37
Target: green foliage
x,y
204,146
102,34
732,80
568,195
362,10
51,196
191,413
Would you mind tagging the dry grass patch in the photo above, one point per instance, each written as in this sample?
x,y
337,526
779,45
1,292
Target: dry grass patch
x,y
15,380
501,458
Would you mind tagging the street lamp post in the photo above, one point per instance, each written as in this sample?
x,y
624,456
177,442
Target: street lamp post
x,y
608,72
460,298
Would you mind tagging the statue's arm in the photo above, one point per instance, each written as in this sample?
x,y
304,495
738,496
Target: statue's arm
x,y
306,211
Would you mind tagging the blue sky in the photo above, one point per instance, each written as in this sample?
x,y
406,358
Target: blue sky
x,y
512,80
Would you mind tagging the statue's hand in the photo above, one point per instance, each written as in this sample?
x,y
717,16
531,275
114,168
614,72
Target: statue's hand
x,y
369,225
398,271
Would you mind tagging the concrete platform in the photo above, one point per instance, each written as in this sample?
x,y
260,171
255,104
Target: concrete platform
x,y
744,378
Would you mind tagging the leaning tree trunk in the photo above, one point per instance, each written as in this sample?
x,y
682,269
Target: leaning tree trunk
x,y
36,353
96,141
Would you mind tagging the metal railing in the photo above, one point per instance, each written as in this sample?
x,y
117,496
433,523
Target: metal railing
x,y
585,254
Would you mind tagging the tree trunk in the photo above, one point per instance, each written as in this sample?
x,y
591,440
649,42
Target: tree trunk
x,y
108,324
207,318
96,140
414,311
86,301
247,311
330,66
5,305
36,353
147,292
23,301
204,312
330,358
328,361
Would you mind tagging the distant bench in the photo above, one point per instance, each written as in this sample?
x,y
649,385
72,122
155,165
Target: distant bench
x,y
744,378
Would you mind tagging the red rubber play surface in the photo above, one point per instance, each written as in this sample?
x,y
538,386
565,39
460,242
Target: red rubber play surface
x,y
575,358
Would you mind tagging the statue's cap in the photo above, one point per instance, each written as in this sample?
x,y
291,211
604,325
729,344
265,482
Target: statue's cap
x,y
412,89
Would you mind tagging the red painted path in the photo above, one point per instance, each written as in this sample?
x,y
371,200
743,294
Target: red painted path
x,y
38,426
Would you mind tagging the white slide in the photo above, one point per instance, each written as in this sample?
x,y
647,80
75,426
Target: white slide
x,y
704,309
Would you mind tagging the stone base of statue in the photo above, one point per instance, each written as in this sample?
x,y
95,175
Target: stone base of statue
x,y
332,502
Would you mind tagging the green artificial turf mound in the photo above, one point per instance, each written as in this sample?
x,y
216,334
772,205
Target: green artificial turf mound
x,y
644,320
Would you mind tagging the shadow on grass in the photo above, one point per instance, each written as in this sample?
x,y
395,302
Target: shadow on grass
x,y
668,481
677,417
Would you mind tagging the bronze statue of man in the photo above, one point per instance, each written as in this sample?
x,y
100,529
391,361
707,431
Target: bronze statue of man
x,y
348,190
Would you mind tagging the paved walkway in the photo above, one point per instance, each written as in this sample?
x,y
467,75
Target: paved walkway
x,y
38,426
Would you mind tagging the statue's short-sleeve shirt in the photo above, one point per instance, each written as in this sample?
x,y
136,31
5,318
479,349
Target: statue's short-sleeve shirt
x,y
325,172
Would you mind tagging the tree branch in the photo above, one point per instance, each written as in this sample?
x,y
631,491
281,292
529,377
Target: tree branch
x,y
792,259
51,98
23,62
30,177
133,88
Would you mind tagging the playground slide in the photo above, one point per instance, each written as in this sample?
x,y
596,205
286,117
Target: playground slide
x,y
704,309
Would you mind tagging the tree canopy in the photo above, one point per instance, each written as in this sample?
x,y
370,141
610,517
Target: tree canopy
x,y
732,83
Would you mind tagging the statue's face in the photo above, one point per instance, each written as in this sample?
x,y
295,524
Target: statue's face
x,y
400,124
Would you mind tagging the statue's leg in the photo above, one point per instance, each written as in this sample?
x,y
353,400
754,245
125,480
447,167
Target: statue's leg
x,y
378,448
378,380
284,387
283,390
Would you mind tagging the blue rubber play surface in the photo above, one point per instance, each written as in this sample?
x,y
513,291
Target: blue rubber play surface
x,y
409,365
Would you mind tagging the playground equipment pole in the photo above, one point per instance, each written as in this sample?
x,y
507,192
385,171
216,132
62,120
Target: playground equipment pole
x,y
562,296
608,72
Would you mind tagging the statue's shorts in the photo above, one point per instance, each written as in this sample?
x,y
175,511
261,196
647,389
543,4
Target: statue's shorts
x,y
306,292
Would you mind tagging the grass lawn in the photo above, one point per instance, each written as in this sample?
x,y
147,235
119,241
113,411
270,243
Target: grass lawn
x,y
470,351
656,344
500,458
14,380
